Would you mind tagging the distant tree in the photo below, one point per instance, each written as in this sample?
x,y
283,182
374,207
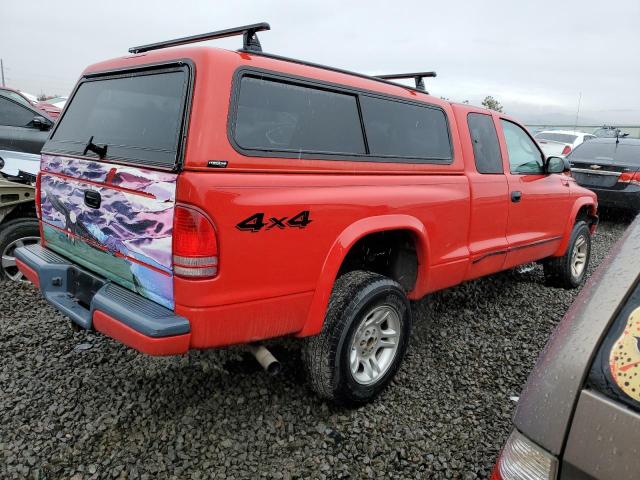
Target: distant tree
x,y
466,102
492,104
445,98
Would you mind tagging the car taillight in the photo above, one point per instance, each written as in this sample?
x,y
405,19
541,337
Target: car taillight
x,y
566,150
38,195
195,244
630,177
521,459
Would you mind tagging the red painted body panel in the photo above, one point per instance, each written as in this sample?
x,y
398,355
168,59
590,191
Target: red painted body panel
x,y
117,330
278,281
29,273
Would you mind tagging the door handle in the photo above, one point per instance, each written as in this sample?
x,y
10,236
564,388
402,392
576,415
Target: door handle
x,y
516,196
92,198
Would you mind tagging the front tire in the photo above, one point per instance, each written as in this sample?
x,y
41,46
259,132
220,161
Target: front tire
x,y
570,270
363,340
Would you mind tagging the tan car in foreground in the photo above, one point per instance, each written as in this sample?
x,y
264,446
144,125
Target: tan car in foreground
x,y
579,415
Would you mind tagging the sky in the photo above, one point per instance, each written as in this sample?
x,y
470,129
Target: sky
x,y
545,61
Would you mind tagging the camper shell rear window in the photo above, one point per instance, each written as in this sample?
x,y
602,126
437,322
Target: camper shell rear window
x,y
139,115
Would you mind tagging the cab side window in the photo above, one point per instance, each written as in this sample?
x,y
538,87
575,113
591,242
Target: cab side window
x,y
14,115
524,155
486,149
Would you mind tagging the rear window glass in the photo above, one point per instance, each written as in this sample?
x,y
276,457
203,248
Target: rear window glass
x,y
139,117
612,152
278,116
556,137
486,149
405,130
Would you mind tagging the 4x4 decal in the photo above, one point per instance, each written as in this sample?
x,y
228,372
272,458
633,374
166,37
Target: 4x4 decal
x,y
256,222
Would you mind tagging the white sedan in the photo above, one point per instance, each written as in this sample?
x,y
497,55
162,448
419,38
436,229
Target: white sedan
x,y
12,163
558,143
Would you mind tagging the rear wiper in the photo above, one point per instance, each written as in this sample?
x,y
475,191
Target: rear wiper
x,y
101,151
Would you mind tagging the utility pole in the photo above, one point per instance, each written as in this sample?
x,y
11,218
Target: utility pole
x,y
575,127
2,70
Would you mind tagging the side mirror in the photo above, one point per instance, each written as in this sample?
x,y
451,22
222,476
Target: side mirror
x,y
41,123
557,165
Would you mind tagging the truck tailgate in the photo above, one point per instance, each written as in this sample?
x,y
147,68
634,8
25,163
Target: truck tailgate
x,y
114,220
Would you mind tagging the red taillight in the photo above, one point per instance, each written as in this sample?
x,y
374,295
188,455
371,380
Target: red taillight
x,y
630,177
38,195
195,244
566,150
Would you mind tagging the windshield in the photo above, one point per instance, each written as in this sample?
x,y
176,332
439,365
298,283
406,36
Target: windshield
x,y
628,153
138,118
556,137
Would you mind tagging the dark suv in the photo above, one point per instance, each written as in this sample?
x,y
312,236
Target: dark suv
x,y
23,131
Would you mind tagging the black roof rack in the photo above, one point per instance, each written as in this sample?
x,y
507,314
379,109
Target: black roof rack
x,y
339,70
418,77
251,44
250,40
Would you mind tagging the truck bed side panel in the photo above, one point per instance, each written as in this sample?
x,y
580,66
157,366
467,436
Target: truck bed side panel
x,y
281,262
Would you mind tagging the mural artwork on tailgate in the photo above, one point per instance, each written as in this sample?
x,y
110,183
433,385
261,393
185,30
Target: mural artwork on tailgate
x,y
128,237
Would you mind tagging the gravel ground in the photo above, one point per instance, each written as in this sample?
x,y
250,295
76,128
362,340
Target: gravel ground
x,y
77,405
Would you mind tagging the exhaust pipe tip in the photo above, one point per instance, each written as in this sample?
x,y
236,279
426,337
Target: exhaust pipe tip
x,y
274,368
267,361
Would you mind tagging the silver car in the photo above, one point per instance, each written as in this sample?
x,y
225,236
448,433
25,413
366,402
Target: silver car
x,y
579,414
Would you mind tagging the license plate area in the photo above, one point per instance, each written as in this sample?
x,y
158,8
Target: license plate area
x,y
83,286
595,180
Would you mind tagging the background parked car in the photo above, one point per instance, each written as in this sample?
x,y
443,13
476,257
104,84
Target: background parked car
x,y
18,224
579,414
610,167
23,131
558,143
609,132
53,111
58,102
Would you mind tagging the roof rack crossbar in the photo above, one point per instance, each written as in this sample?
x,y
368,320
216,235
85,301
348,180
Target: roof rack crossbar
x,y
248,32
418,77
335,69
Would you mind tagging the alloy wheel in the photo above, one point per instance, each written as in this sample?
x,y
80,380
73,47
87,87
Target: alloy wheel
x,y
579,256
9,266
374,344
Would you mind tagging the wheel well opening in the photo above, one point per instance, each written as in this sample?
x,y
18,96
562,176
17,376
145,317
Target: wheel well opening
x,y
390,253
22,210
585,214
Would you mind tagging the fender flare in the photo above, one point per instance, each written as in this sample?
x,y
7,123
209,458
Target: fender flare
x,y
578,204
338,251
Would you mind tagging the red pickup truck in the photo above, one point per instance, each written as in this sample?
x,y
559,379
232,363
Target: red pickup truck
x,y
193,197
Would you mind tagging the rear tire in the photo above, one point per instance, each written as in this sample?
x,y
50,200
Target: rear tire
x,y
363,340
570,270
13,234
